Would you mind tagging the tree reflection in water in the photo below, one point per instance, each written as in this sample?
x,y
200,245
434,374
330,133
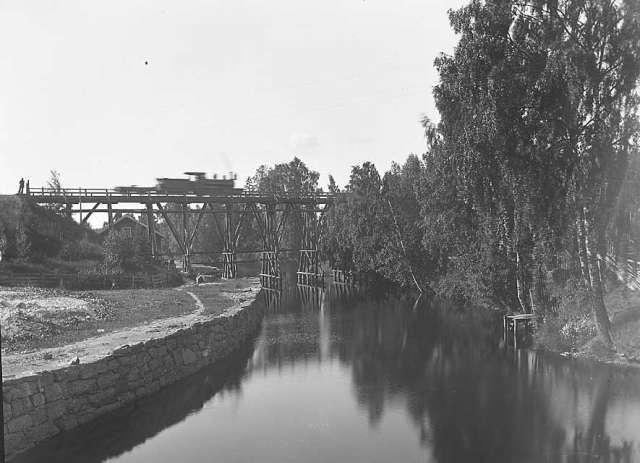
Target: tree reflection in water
x,y
469,398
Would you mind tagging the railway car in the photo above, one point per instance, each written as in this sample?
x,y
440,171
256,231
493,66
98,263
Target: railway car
x,y
198,183
133,189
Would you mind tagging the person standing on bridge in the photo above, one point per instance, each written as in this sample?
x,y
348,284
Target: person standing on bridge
x,y
28,191
21,186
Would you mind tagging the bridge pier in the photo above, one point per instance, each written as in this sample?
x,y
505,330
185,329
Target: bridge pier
x,y
231,237
271,228
110,214
230,266
309,273
270,276
151,230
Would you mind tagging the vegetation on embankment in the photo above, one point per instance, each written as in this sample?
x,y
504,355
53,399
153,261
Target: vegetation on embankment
x,y
572,330
42,240
37,239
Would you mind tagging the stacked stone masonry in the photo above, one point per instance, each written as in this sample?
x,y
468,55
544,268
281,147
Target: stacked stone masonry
x,y
42,405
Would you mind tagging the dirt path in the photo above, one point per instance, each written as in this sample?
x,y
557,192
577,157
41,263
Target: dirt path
x,y
228,296
200,306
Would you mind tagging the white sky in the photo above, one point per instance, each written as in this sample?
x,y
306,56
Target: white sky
x,y
228,86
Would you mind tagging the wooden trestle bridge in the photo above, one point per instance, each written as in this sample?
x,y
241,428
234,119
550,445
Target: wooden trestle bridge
x,y
268,212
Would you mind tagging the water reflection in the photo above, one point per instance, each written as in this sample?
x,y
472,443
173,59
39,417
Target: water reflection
x,y
334,377
124,429
469,399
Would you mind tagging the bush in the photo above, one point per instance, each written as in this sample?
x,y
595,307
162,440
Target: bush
x,y
474,277
127,254
569,325
81,250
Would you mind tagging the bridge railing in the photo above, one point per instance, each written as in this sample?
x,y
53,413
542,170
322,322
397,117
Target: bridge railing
x,y
54,193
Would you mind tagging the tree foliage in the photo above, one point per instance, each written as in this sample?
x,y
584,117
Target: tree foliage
x,y
529,172
123,253
291,178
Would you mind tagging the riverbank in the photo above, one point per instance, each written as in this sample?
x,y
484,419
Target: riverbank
x,y
56,389
41,325
572,332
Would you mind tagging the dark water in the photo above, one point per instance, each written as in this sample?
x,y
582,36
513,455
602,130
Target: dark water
x,y
374,381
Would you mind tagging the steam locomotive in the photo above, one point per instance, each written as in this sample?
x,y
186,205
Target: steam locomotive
x,y
197,183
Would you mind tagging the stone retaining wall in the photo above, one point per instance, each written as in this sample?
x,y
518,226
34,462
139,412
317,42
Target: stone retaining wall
x,y
42,405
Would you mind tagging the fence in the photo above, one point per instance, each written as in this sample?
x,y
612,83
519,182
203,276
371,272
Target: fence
x,y
91,281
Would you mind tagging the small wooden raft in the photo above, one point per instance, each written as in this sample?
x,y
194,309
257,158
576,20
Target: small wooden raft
x,y
511,322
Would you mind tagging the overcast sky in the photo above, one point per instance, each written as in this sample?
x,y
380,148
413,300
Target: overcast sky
x,y
226,86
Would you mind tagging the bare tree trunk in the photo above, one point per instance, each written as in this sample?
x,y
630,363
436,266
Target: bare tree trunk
x,y
599,311
404,250
538,291
582,251
520,284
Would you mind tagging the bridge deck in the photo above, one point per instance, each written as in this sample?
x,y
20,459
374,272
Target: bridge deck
x,y
107,196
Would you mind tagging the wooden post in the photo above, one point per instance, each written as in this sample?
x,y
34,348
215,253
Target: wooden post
x,y
186,264
151,229
229,265
109,213
504,329
515,333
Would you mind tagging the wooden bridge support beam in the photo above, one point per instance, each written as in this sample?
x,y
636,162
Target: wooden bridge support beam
x,y
91,211
172,229
230,268
308,273
110,214
230,237
184,237
186,258
270,275
151,229
271,229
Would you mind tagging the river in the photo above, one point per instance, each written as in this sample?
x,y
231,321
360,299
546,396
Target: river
x,y
345,379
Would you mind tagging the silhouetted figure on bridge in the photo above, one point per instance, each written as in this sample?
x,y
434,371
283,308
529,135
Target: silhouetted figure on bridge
x,y
28,190
21,186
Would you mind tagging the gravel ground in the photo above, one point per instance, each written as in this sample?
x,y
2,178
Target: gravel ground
x,y
90,348
37,318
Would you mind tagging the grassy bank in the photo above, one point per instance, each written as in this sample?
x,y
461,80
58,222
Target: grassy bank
x,y
573,331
